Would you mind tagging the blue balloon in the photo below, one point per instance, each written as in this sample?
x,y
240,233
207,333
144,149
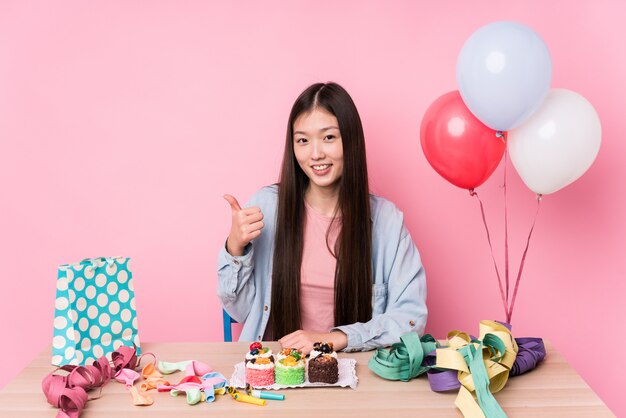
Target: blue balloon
x,y
503,73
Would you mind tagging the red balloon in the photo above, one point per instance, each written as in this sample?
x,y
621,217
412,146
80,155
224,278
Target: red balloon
x,y
457,145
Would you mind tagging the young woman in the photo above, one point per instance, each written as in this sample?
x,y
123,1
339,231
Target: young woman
x,y
316,257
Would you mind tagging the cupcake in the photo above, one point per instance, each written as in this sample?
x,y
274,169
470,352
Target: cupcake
x,y
289,367
258,351
259,366
323,366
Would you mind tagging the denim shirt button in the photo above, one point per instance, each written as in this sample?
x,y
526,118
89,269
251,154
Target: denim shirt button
x,y
412,323
236,262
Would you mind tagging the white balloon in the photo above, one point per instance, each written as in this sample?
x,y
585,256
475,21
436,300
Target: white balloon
x,y
503,72
557,144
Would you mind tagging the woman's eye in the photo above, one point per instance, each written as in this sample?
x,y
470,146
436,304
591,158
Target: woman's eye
x,y
301,140
329,137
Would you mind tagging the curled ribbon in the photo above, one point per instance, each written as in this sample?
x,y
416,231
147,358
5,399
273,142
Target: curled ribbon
x,y
69,392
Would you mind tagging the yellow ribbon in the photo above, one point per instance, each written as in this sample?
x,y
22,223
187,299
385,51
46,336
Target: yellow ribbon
x,y
497,362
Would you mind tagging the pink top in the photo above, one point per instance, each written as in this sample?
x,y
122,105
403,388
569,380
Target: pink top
x,y
317,277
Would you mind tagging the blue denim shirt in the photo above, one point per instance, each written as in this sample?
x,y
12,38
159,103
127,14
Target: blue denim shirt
x,y
399,288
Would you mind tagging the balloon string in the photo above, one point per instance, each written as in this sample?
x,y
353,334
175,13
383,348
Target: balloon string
x,y
506,239
495,265
521,267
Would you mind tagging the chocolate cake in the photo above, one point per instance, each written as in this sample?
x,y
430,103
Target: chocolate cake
x,y
323,366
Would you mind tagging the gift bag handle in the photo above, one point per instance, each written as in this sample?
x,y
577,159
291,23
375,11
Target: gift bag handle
x,y
93,262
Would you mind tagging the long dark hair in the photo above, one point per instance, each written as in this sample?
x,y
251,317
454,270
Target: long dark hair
x,y
353,250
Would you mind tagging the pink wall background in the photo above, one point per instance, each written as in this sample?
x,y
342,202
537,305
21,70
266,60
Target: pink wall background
x,y
122,124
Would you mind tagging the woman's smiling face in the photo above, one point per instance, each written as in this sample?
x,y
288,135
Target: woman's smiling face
x,y
318,148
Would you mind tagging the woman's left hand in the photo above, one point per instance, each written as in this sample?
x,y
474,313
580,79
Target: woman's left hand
x,y
303,340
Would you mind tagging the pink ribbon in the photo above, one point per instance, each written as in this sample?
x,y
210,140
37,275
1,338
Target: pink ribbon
x,y
69,392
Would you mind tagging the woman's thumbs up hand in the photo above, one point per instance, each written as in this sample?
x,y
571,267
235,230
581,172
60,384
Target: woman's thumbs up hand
x,y
246,226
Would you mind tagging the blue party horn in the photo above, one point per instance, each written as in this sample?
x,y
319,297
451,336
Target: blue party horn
x,y
264,395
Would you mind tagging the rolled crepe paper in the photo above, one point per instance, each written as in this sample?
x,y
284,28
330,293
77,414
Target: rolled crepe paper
x,y
463,354
403,361
442,380
531,352
495,351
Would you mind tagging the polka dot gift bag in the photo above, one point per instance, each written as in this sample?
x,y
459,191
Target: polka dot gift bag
x,y
94,310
